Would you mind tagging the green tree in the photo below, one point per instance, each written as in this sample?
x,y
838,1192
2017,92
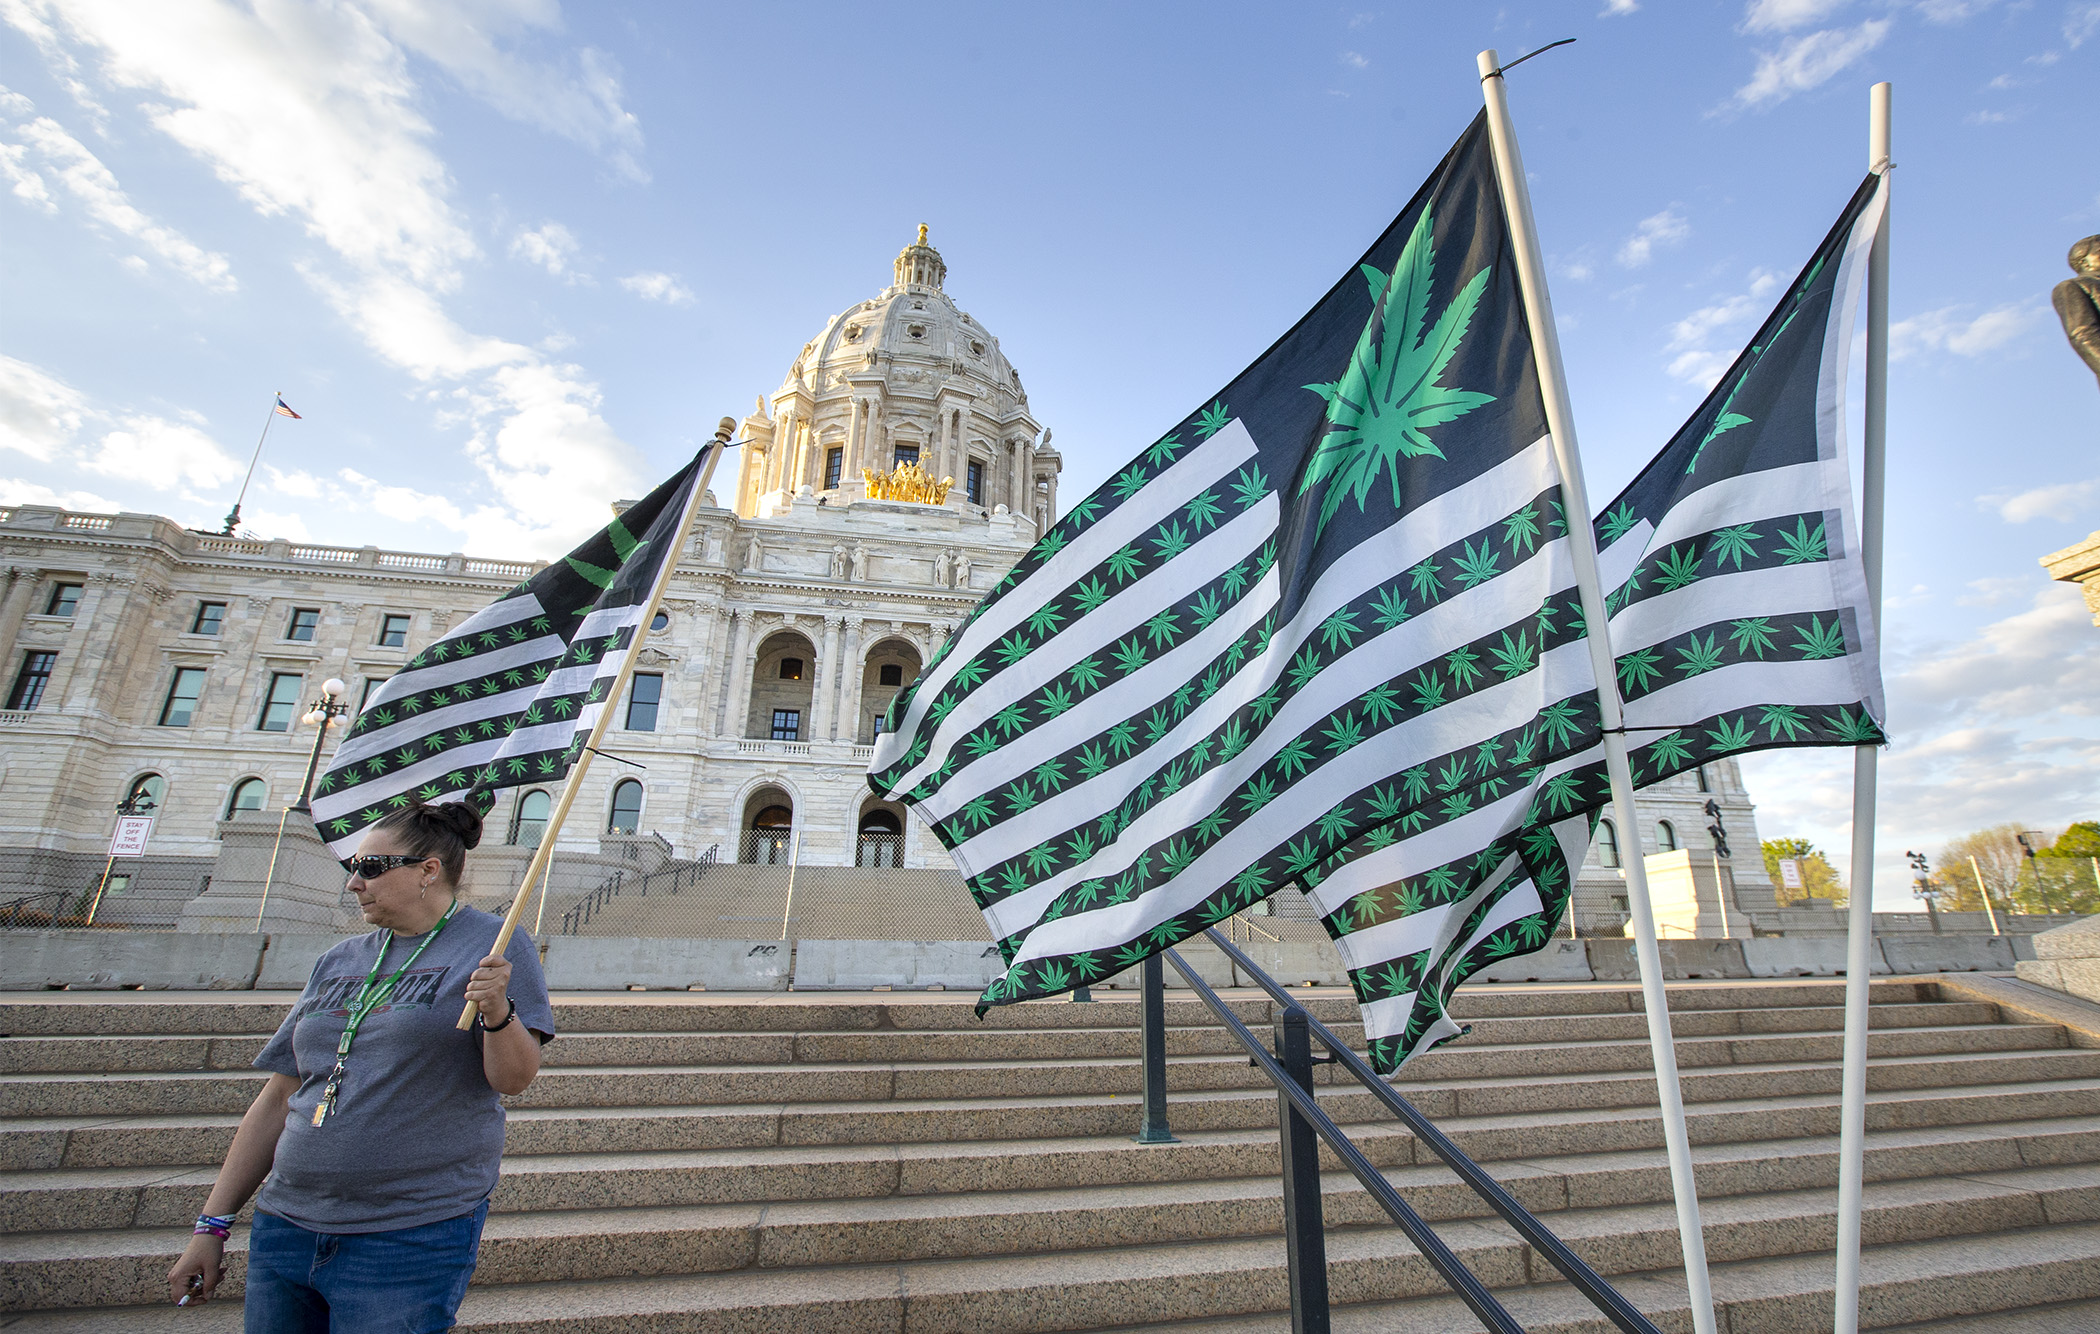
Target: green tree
x,y
1819,879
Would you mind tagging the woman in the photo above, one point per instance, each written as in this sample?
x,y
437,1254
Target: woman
x,y
379,1135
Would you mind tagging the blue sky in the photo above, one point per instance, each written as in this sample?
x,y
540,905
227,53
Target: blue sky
x,y
512,260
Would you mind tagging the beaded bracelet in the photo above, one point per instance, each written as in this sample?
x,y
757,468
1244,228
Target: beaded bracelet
x,y
213,1225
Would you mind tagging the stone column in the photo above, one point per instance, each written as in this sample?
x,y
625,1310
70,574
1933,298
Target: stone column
x,y
959,466
851,670
777,462
1015,473
21,587
855,423
946,440
732,669
877,439
824,694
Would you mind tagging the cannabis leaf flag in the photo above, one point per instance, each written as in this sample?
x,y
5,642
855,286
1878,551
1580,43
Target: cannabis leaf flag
x,y
1332,609
510,696
1739,607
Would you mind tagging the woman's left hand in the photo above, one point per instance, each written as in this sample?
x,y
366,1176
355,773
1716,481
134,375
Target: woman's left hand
x,y
489,988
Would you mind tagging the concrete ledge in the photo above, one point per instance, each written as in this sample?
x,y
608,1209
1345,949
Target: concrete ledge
x,y
1613,961
2079,940
2029,1004
1805,956
1559,961
615,963
110,960
859,965
1948,954
290,960
1291,962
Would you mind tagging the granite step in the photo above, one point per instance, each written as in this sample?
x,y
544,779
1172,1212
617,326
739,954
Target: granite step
x,y
638,1239
1374,1275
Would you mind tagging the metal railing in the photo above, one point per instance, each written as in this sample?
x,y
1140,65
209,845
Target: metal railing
x,y
51,908
1302,1125
672,879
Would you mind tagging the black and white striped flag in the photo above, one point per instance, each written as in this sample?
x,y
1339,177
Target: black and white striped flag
x,y
1739,622
1332,609
510,696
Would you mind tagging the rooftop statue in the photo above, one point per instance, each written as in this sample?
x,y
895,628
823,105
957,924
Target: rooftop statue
x,y
2077,302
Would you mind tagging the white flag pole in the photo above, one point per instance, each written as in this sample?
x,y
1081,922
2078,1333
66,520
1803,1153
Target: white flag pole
x,y
544,854
1560,420
1852,1123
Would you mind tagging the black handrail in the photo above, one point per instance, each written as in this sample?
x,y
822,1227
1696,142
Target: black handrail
x,y
1461,1280
1603,1295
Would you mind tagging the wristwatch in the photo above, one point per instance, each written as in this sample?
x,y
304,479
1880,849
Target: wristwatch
x,y
488,1027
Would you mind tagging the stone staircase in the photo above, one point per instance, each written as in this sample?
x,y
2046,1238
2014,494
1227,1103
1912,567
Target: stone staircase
x,y
887,1162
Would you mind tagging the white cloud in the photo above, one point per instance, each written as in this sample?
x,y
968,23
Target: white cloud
x,y
1995,117
311,113
159,452
2057,500
2081,24
91,182
1952,11
39,414
24,183
1995,727
1809,61
662,287
17,491
1355,60
461,38
1665,228
1697,361
549,245
1618,8
1947,330
1787,15
1992,591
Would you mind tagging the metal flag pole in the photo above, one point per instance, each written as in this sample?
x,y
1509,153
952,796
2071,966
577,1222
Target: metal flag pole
x,y
1983,892
545,852
233,518
1852,1121
794,855
1582,549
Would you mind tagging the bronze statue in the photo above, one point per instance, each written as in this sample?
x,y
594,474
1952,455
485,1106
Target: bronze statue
x,y
2077,302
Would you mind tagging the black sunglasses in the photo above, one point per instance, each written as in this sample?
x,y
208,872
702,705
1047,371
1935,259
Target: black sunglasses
x,y
374,865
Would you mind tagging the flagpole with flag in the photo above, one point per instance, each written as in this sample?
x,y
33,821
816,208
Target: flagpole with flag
x,y
278,408
1538,305
545,851
1852,1125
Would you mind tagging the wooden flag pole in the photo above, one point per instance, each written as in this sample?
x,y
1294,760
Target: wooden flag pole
x,y
1582,548
1852,1102
545,851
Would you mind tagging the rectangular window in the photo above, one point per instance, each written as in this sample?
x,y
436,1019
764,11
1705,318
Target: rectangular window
x,y
907,454
787,724
304,619
791,669
64,598
1704,785
882,721
283,701
834,464
211,616
31,680
642,698
393,630
372,684
975,485
181,704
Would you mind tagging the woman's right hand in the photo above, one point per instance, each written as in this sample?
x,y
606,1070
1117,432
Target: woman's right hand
x,y
203,1264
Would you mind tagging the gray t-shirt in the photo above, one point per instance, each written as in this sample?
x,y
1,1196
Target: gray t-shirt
x,y
416,1135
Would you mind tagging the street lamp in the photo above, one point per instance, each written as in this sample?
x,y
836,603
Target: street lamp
x,y
1718,831
327,712
138,802
1921,871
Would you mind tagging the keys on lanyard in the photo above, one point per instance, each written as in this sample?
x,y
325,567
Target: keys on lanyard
x,y
328,1092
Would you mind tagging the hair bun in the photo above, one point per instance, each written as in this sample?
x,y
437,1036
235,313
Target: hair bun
x,y
461,819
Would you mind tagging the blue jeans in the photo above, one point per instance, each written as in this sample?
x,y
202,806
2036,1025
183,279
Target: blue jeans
x,y
408,1281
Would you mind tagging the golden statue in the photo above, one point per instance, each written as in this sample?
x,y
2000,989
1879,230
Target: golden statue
x,y
909,482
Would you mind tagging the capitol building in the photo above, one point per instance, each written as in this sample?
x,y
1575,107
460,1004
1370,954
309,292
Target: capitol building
x,y
148,661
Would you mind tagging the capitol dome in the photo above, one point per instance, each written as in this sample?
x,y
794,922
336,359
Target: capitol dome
x,y
905,377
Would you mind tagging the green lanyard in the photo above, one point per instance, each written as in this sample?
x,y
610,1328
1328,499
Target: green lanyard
x,y
370,997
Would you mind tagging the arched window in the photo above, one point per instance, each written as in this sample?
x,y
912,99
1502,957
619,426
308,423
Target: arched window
x,y
247,796
626,808
529,822
881,840
144,789
1607,844
1665,836
769,841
